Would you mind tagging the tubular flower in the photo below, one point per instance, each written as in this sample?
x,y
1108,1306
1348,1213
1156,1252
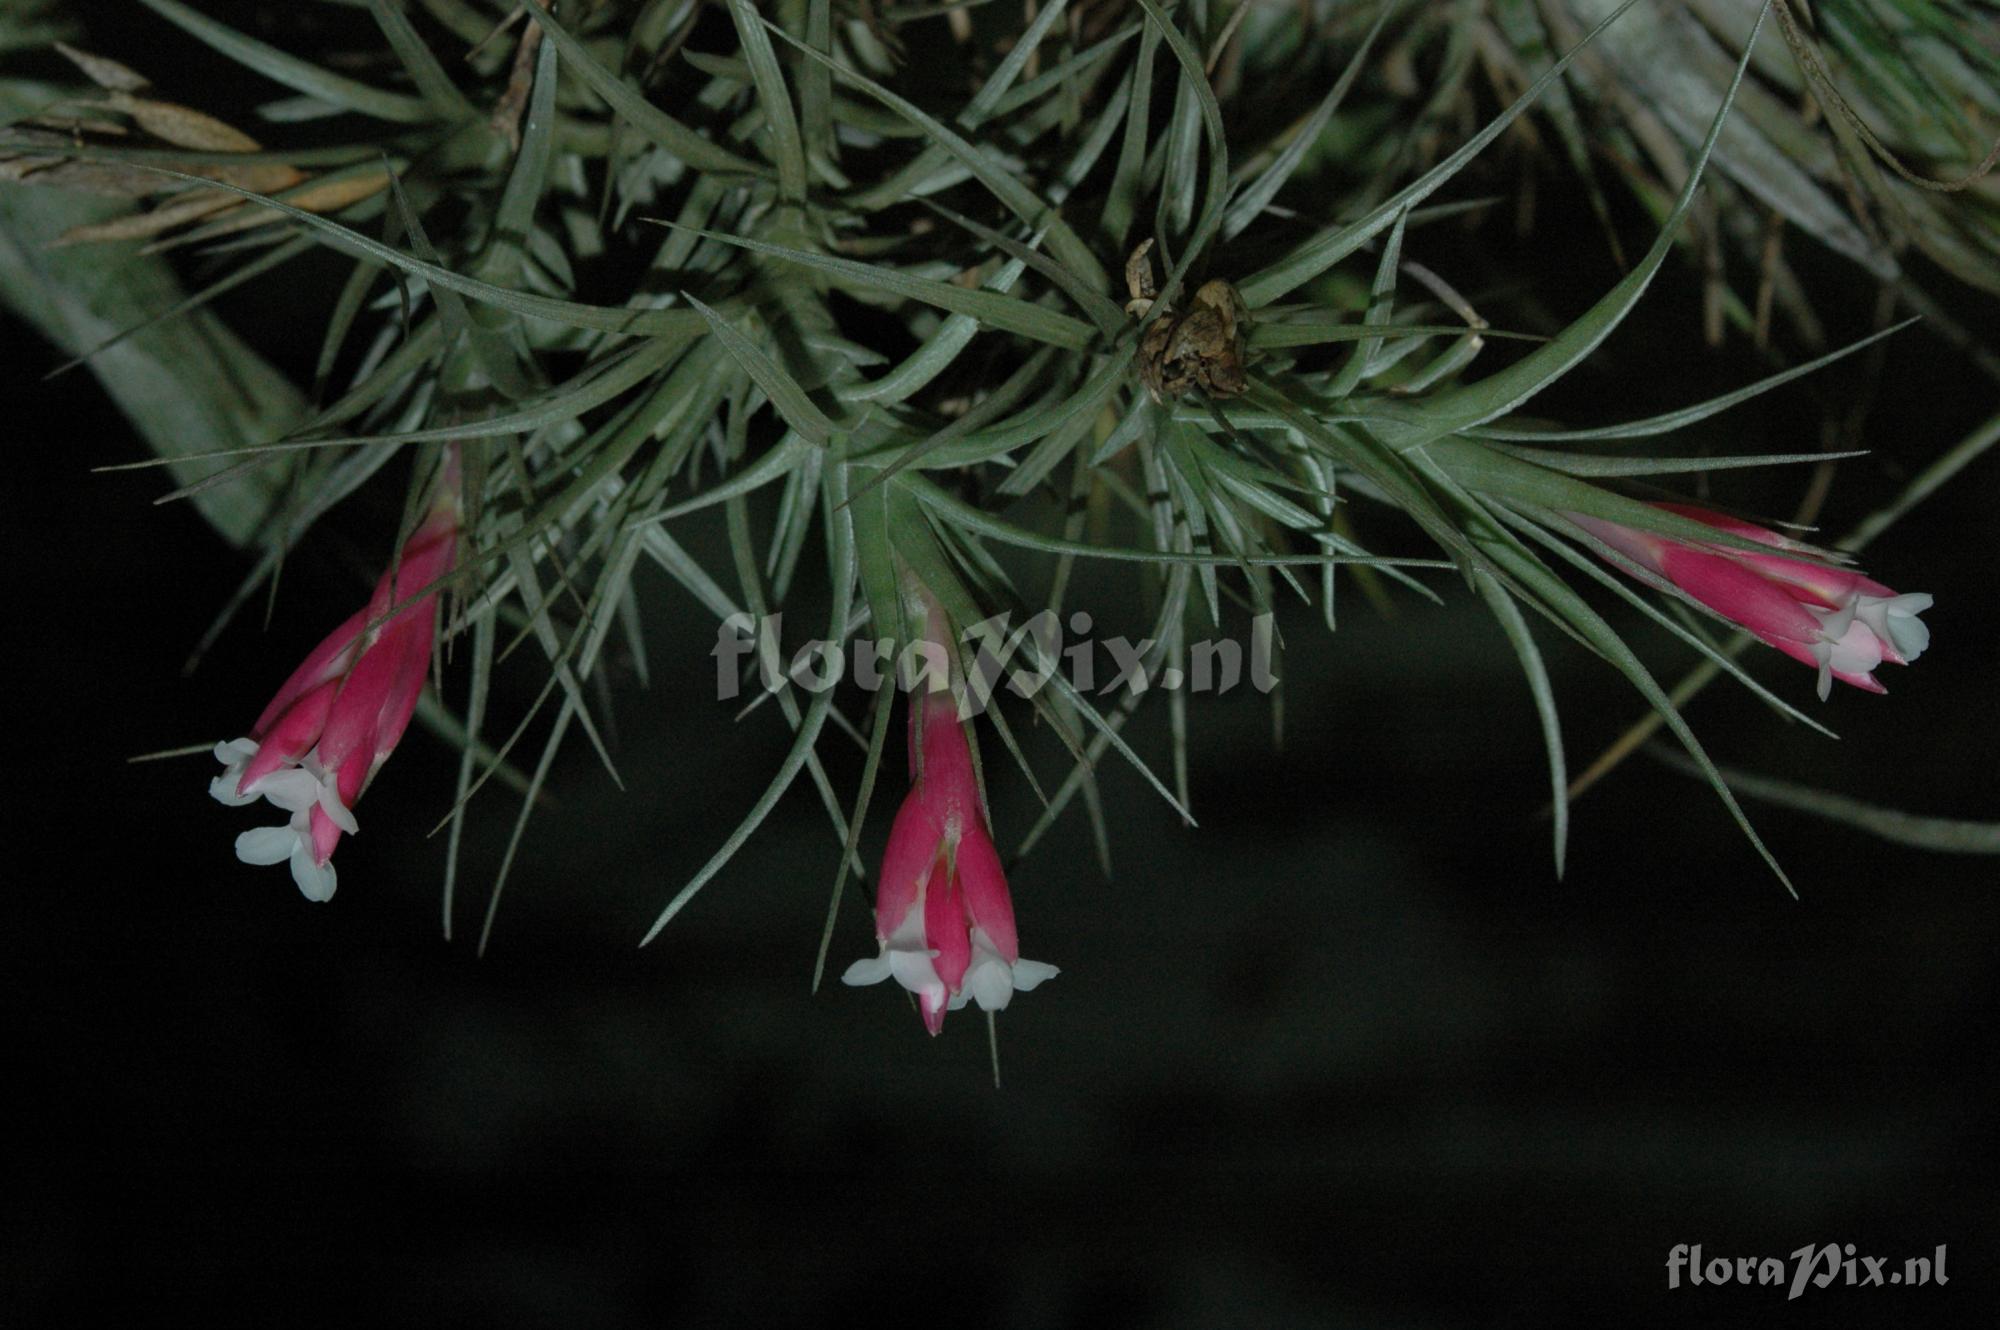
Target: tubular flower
x,y
340,715
943,916
1842,623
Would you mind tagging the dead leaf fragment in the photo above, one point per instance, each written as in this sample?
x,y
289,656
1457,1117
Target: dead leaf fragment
x,y
105,72
182,126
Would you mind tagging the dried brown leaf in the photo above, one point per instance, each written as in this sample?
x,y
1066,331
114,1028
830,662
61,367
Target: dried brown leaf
x,y
104,72
182,126
139,226
513,103
258,177
327,196
71,127
109,178
333,195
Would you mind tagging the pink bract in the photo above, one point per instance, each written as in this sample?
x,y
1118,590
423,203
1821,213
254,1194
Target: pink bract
x,y
335,721
943,916
1835,619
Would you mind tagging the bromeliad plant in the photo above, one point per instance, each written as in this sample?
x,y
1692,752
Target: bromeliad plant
x,y
614,264
944,920
336,720
1869,136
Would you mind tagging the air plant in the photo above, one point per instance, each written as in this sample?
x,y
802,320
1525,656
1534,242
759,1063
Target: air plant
x,y
974,294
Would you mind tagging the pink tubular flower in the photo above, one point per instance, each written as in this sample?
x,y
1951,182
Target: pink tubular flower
x,y
1839,621
942,913
339,716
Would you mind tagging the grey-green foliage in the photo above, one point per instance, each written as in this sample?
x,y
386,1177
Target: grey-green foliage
x,y
894,307
82,298
1871,129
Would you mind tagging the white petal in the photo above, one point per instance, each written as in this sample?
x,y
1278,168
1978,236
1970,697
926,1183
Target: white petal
x,y
904,957
336,811
1833,624
267,845
316,881
1858,651
909,934
870,970
233,755
991,981
1846,644
289,788
913,970
223,788
989,984
234,752
1028,974
1895,618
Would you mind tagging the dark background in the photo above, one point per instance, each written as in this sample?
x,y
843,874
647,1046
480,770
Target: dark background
x,y
1347,1054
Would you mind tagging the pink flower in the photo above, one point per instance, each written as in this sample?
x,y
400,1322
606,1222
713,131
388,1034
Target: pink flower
x,y
1831,618
942,913
336,720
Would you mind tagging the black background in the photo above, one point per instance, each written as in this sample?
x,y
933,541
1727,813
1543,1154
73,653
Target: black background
x,y
1347,1054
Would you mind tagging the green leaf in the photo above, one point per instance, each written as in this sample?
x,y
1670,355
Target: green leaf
x,y
659,127
1476,403
685,569
787,148
1102,309
1593,464
937,353
515,217
917,174
294,73
1216,193
1687,415
816,85
419,62
237,276
877,741
1491,472
1278,336
1562,606
597,318
1063,75
598,618
1926,482
994,310
1063,242
1944,834
1516,627
1336,243
475,716
1381,308
988,407
840,557
1121,205
506,364
786,395
161,378
980,522
772,465
591,388
1257,195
